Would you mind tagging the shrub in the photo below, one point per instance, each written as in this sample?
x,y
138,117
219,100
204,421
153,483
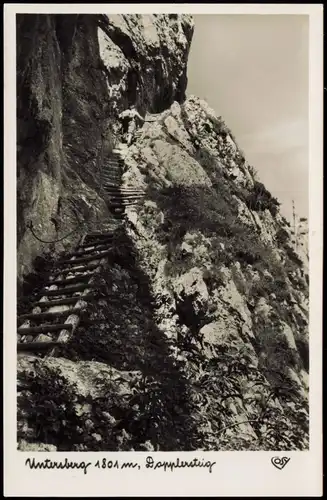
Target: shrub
x,y
261,199
197,208
50,407
286,222
282,237
293,256
253,172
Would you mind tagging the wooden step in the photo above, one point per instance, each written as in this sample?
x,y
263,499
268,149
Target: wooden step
x,y
115,179
111,167
124,192
96,243
64,291
99,235
122,201
36,346
61,302
85,252
77,269
35,330
126,189
113,164
117,183
113,185
115,188
47,315
114,171
68,281
122,204
96,256
88,241
125,196
113,161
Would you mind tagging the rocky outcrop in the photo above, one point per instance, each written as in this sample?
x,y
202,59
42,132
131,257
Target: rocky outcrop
x,y
145,58
237,284
75,74
201,341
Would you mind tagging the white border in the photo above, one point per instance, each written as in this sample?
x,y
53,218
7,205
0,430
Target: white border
x,y
235,473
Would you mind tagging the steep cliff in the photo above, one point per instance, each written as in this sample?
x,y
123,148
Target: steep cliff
x,y
201,341
75,74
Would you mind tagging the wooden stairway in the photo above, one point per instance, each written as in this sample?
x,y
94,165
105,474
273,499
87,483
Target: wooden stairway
x,y
118,196
55,315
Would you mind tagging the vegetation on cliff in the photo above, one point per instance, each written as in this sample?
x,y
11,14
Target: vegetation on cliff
x,y
198,337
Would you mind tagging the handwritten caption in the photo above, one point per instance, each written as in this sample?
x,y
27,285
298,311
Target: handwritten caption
x,y
104,463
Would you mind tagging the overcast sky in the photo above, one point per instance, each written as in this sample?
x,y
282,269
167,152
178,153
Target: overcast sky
x,y
253,71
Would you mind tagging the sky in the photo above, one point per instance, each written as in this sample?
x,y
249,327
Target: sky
x,y
253,71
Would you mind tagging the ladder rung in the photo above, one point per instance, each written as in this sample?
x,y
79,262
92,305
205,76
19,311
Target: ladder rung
x,y
122,190
47,315
77,269
68,281
100,235
113,161
116,204
85,252
63,291
60,302
123,199
113,185
111,174
112,167
96,243
115,179
89,258
36,346
122,194
35,330
113,171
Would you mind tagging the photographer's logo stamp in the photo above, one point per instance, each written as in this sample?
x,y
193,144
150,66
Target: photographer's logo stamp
x,y
280,462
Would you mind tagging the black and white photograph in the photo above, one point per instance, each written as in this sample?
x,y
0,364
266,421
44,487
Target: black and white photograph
x,y
162,233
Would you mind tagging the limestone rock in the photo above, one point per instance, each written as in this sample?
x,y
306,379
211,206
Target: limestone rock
x,y
191,285
26,446
156,47
206,317
89,377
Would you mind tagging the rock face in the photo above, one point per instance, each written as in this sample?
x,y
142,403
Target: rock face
x,y
202,342
145,58
75,74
